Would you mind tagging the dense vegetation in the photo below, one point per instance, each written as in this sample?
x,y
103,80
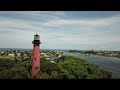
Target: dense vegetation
x,y
85,52
91,52
77,51
63,68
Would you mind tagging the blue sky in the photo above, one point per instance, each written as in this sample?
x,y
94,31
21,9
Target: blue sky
x,y
81,30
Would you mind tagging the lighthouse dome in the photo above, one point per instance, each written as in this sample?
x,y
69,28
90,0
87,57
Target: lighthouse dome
x,y
36,37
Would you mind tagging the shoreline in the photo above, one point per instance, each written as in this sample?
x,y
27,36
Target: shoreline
x,y
95,55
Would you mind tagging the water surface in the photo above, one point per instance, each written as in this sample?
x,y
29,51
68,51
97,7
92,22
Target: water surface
x,y
111,64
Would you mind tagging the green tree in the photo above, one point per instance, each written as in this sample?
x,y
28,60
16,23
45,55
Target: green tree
x,y
15,73
54,75
22,55
48,67
75,68
64,68
43,75
15,55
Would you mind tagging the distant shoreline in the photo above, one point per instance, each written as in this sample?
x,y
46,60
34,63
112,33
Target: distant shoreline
x,y
15,49
46,49
31,49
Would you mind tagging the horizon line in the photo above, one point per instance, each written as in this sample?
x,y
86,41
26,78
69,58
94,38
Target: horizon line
x,y
55,49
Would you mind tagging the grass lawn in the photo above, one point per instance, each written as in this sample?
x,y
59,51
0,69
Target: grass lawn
x,y
5,57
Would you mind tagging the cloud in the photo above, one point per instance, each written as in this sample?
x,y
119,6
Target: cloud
x,y
88,22
57,30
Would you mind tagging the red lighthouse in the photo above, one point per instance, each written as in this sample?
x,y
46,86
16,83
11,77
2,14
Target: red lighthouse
x,y
36,55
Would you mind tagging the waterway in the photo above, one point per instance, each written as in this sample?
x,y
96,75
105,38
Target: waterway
x,y
111,64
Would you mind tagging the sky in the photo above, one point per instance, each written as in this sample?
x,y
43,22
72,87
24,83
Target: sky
x,y
78,30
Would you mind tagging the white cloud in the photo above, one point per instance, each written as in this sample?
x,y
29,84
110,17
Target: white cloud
x,y
58,32
89,22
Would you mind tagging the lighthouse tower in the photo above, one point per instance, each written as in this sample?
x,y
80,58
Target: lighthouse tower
x,y
36,55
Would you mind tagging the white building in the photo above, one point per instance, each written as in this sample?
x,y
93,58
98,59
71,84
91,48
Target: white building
x,y
18,54
59,56
52,61
97,50
12,55
47,58
42,53
115,54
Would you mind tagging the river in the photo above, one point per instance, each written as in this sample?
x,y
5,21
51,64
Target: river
x,y
111,64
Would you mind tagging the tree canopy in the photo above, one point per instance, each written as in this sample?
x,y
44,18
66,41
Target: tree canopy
x,y
63,68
